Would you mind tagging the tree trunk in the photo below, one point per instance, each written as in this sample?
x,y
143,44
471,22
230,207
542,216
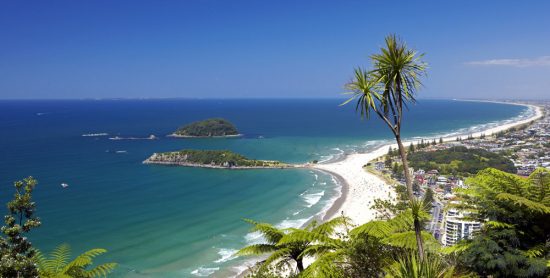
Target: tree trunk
x,y
299,265
408,181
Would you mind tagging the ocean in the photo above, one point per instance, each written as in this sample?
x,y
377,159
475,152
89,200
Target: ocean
x,y
159,221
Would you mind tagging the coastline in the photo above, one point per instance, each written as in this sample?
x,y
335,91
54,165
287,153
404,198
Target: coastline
x,y
210,166
360,188
191,137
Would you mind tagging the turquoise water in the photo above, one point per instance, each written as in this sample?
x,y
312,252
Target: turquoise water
x,y
185,222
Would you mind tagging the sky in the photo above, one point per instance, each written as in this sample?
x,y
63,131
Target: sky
x,y
266,49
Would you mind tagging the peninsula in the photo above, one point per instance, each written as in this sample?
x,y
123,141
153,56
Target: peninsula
x,y
215,127
213,159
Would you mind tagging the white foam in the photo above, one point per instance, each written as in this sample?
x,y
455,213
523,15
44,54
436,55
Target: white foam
x,y
313,198
204,271
257,238
296,223
226,255
254,238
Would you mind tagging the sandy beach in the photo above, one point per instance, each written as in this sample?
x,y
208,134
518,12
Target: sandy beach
x,y
360,188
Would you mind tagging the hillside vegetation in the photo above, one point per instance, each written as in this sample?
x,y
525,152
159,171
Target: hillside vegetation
x,y
219,158
208,128
460,160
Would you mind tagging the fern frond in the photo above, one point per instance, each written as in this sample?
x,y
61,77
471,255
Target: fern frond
x,y
539,186
524,202
499,225
303,237
83,260
320,249
58,258
329,227
325,266
535,252
100,270
408,240
270,233
458,248
256,249
377,228
280,257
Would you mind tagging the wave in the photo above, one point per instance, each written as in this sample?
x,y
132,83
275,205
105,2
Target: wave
x,y
257,238
95,134
226,255
204,271
529,112
333,156
313,198
293,223
150,137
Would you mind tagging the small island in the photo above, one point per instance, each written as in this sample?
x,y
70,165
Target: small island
x,y
213,159
215,127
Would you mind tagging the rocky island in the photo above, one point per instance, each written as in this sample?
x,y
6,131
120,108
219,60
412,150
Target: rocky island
x,y
215,127
213,159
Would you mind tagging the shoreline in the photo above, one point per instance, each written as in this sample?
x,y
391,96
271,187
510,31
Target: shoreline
x,y
359,188
356,198
210,166
173,135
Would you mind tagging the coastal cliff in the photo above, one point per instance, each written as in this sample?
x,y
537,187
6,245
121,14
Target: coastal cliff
x,y
213,159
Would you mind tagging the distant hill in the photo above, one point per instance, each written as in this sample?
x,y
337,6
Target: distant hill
x,y
460,160
215,127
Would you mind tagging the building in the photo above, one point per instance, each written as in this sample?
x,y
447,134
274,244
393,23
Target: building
x,y
456,228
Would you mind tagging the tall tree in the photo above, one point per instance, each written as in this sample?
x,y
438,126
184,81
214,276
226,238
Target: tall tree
x,y
386,90
16,251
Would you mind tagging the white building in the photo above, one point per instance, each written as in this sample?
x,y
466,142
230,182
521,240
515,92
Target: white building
x,y
455,227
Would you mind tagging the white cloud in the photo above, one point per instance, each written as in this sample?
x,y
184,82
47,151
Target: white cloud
x,y
539,61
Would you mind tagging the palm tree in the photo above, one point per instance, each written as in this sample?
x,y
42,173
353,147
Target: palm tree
x,y
283,252
57,265
386,90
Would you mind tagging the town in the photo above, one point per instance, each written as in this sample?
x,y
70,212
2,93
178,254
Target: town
x,y
440,167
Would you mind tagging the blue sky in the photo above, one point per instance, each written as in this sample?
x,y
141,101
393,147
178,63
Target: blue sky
x,y
242,49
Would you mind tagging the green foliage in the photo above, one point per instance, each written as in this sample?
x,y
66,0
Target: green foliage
x,y
221,158
388,161
516,212
208,128
428,197
388,209
285,246
410,265
15,249
57,264
460,160
411,148
387,89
